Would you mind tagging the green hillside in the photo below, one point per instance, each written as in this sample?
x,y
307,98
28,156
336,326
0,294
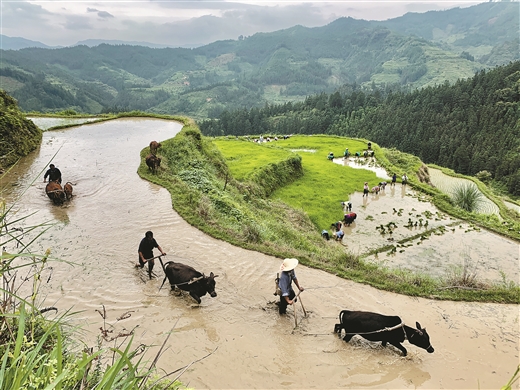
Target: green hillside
x,y
476,31
279,203
278,67
471,126
18,135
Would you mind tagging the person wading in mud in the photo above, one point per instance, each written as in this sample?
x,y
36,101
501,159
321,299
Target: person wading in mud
x,y
285,283
53,173
146,252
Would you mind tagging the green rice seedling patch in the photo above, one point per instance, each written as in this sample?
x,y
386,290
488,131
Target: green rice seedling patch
x,y
324,185
243,158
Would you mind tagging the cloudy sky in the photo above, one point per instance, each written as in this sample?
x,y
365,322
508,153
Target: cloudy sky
x,y
193,22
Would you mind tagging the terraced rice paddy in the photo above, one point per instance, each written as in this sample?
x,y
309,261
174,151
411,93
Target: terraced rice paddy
x,y
448,184
410,233
46,123
512,206
251,345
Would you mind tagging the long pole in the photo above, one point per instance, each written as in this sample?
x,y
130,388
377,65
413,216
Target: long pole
x,y
304,312
295,317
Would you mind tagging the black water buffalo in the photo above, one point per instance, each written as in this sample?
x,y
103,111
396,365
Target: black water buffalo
x,y
378,327
153,162
188,279
55,192
349,218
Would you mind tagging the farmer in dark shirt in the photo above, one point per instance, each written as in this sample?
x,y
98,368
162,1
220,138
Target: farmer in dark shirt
x,y
53,173
394,179
146,252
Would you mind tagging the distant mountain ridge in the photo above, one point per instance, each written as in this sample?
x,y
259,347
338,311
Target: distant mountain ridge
x,y
17,43
282,66
97,42
491,20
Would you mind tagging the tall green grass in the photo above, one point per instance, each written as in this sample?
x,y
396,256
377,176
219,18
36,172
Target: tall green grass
x,y
467,197
514,378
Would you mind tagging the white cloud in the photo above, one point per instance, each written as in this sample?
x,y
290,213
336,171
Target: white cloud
x,y
57,22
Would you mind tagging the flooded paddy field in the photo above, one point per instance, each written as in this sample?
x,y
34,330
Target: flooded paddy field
x,y
512,206
410,233
45,123
250,344
448,184
368,163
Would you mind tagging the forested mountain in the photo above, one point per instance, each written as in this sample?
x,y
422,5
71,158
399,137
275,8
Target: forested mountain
x,y
416,51
470,126
16,43
472,30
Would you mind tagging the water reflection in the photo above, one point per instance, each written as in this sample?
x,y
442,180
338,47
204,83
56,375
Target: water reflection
x,y
369,164
381,375
45,123
60,213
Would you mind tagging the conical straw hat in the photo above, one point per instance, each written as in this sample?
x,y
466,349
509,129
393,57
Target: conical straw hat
x,y
289,264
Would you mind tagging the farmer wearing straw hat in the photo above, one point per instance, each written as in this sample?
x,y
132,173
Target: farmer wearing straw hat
x,y
285,284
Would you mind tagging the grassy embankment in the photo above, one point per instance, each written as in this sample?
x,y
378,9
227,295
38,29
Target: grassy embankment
x,y
277,199
18,136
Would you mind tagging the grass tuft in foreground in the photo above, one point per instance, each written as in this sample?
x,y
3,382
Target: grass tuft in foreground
x,y
467,197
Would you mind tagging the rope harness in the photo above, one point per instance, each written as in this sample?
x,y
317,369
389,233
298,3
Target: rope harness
x,y
191,281
401,325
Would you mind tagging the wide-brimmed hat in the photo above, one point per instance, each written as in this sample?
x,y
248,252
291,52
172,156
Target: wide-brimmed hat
x,y
289,264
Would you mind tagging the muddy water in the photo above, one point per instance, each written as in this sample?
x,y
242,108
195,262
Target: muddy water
x,y
427,249
476,345
369,163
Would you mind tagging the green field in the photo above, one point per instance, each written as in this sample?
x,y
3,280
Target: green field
x,y
324,184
